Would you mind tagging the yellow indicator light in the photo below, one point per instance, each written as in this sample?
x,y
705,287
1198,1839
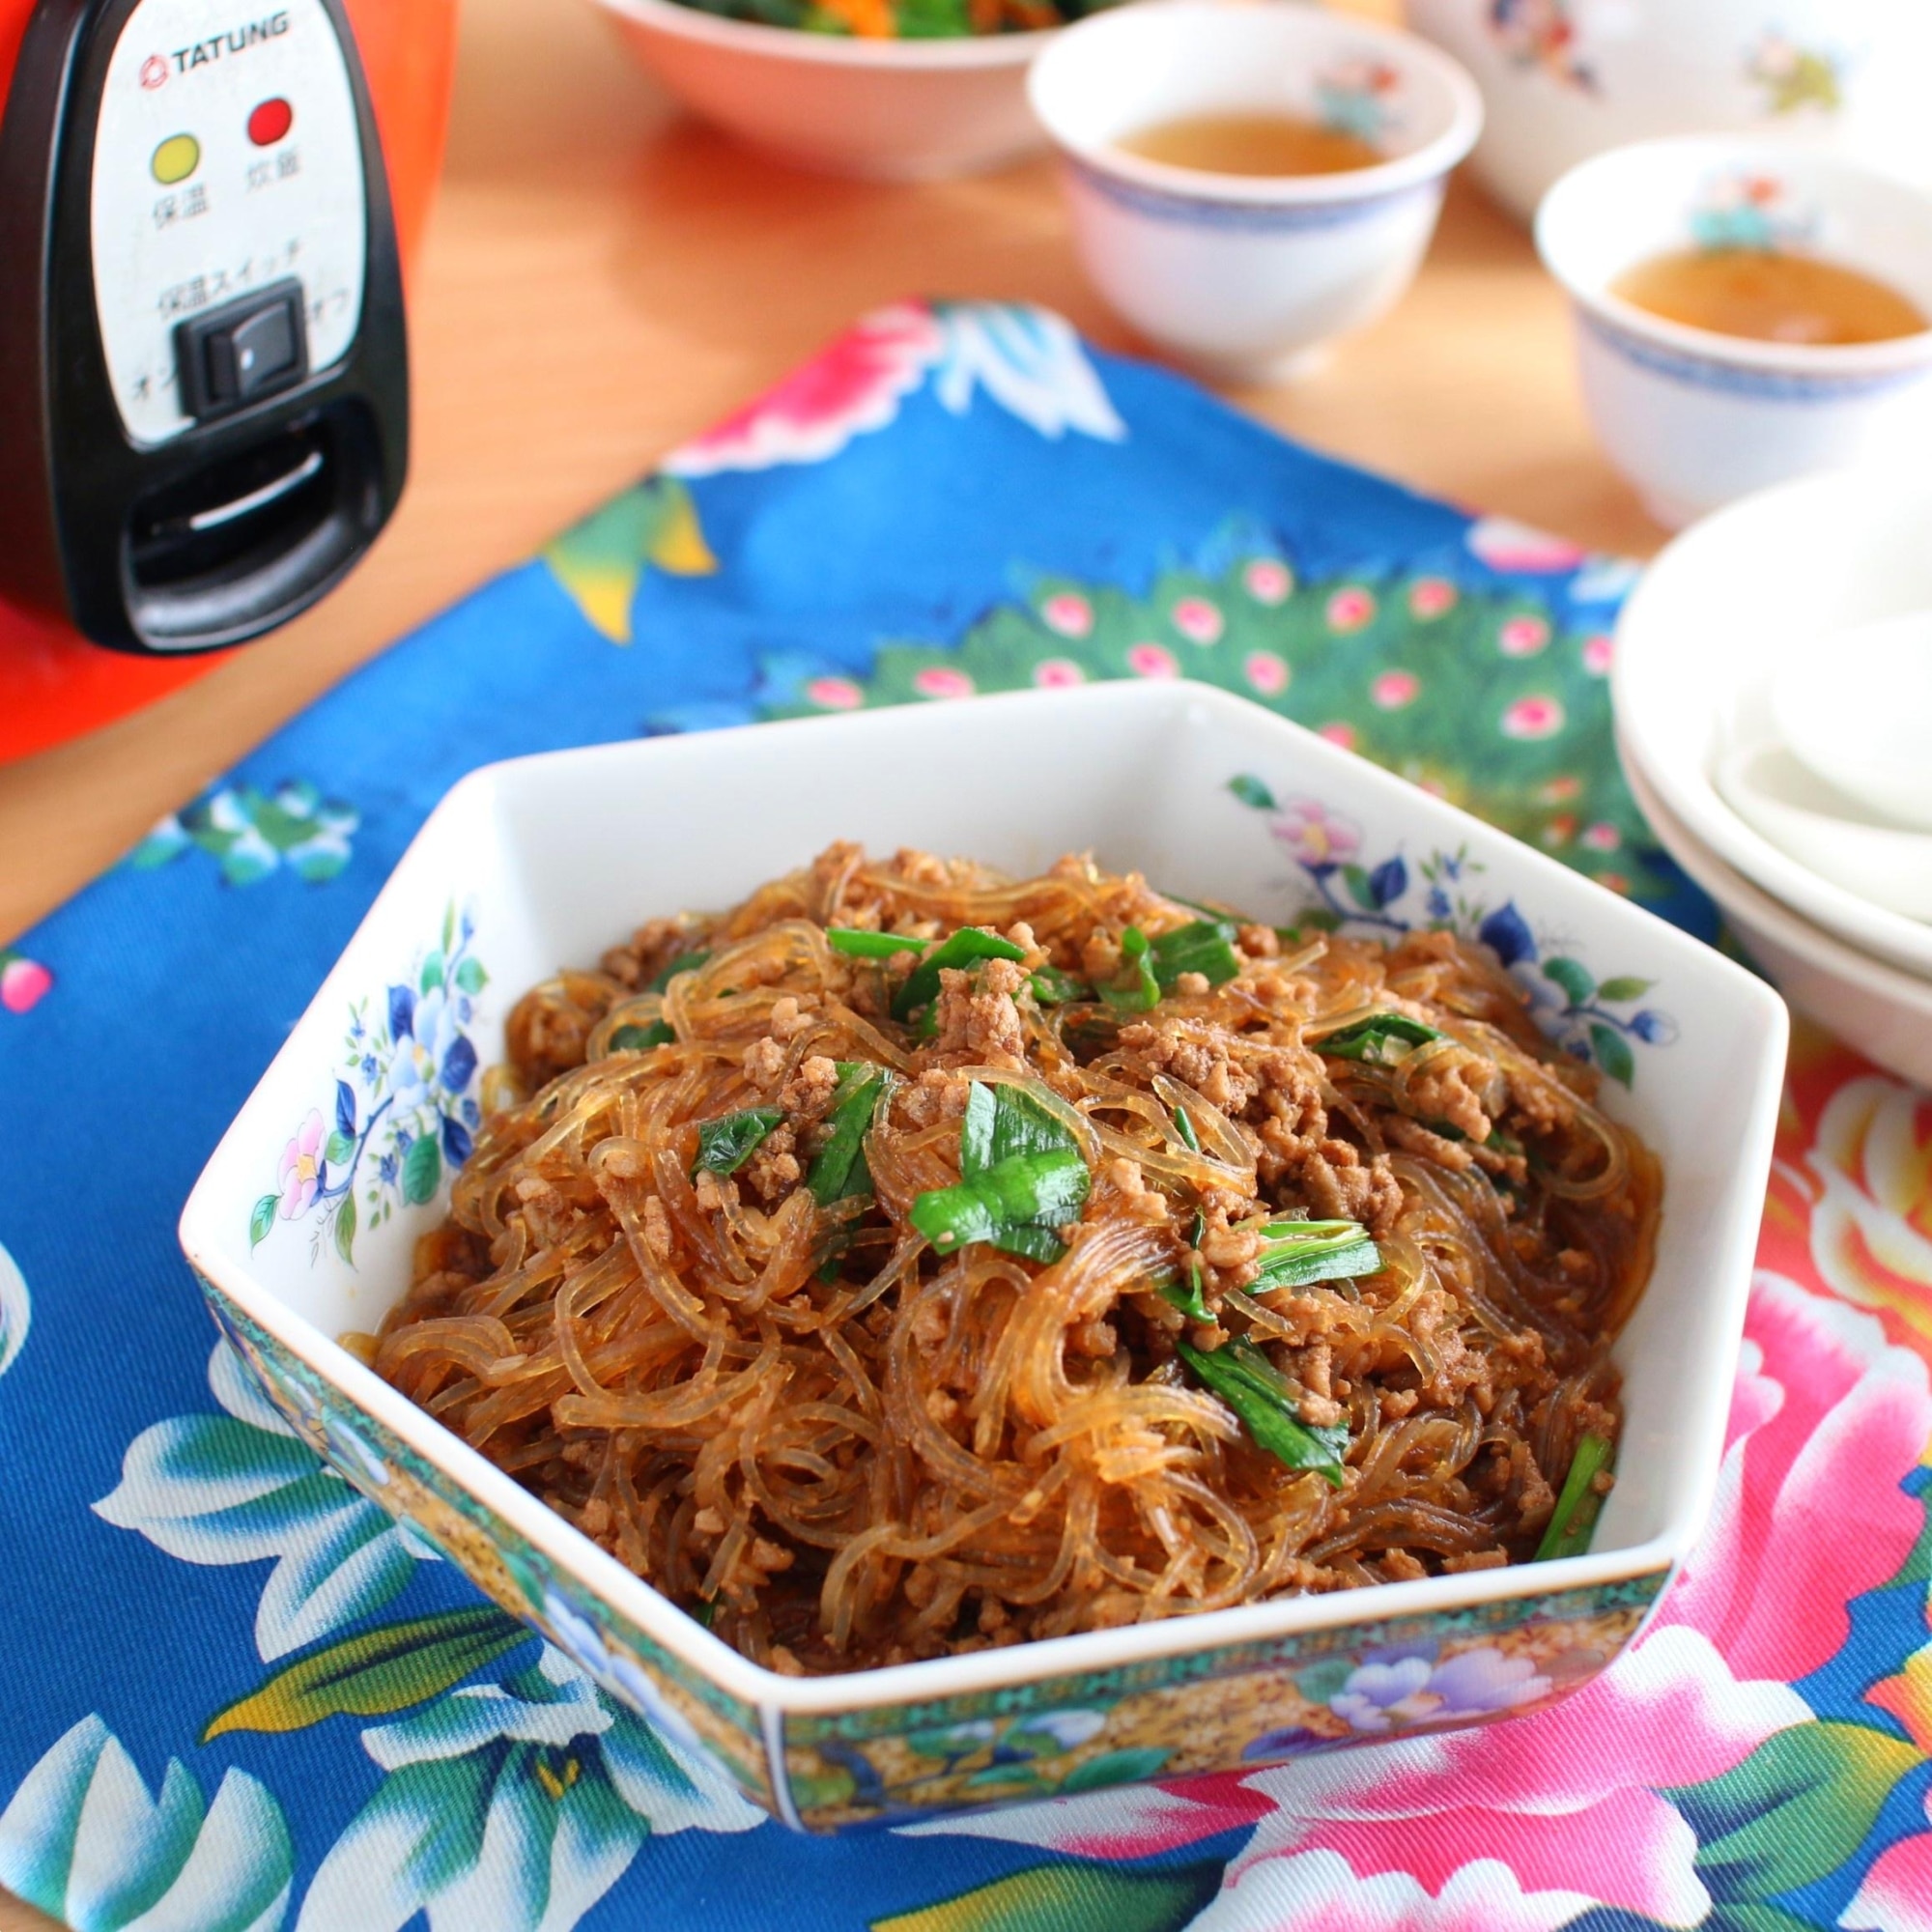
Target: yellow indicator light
x,y
175,158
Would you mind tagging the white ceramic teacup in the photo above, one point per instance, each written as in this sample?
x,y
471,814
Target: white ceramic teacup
x,y
1244,276
1693,419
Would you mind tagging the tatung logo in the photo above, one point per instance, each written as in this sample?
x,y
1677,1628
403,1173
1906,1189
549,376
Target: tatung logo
x,y
154,71
235,40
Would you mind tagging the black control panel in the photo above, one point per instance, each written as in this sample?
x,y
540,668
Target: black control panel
x,y
203,367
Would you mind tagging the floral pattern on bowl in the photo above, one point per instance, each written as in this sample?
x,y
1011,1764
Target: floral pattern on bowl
x,y
1750,210
1572,1005
404,1098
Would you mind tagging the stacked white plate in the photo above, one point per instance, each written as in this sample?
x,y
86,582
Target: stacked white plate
x,y
1723,604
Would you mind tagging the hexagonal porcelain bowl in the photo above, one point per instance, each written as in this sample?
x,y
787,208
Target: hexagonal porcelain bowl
x,y
546,861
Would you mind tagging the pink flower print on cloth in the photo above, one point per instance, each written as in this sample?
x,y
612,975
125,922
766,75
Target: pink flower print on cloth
x,y
24,983
1314,835
1827,1419
1025,360
300,1169
1523,1825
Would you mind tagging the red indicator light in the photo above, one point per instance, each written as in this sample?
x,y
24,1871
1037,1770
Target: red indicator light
x,y
270,121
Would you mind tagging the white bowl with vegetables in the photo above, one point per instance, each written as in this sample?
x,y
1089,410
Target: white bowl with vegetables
x,y
529,866
843,103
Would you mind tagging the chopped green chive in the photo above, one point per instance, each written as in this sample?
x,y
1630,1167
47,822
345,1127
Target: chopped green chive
x,y
1574,1520
1022,1176
1248,1382
1138,989
1184,1128
685,962
1032,1190
1052,987
724,1146
1381,1039
1189,1299
857,945
1203,946
631,1038
1296,1253
838,1170
965,947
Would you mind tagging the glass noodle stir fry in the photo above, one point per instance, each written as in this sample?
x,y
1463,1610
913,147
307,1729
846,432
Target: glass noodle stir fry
x,y
911,1260
906,19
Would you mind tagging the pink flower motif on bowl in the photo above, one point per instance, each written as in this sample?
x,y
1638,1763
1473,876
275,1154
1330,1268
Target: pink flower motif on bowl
x,y
1152,660
942,681
1057,673
1199,621
1597,654
1351,609
300,1172
24,983
1432,597
1338,733
1269,581
1558,790
1314,835
1540,717
1069,613
835,694
1266,672
1602,836
1522,636
1394,689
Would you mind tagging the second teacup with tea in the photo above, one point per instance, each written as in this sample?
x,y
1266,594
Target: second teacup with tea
x,y
1249,179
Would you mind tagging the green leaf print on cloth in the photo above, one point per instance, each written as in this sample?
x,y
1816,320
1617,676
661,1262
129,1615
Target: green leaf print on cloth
x,y
242,1487
601,561
84,1841
1475,694
251,834
1071,1898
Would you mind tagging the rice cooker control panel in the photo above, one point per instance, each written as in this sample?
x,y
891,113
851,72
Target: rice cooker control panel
x,y
204,376
226,207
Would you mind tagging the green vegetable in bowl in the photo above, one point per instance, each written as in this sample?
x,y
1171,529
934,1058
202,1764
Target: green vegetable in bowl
x,y
904,19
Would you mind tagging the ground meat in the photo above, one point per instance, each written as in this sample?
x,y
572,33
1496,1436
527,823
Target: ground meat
x,y
773,1170
1413,1137
978,1022
649,949
1449,1095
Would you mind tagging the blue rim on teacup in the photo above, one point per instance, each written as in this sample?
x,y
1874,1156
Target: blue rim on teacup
x,y
1695,418
1713,191
1117,72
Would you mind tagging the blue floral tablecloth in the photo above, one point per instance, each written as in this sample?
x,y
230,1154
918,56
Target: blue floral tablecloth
x,y
237,1695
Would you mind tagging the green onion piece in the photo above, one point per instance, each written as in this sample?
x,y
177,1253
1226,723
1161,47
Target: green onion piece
x,y
631,1038
726,1144
838,1170
1184,1128
1001,1122
1574,1520
1034,1244
857,945
1052,987
1138,989
1299,1252
685,962
705,1615
1382,1039
1204,946
1189,1299
1247,1381
1041,1191
966,946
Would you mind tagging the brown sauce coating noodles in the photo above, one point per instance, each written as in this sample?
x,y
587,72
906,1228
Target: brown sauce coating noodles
x,y
842,1448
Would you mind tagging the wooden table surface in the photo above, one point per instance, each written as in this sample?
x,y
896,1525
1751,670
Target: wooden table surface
x,y
602,278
